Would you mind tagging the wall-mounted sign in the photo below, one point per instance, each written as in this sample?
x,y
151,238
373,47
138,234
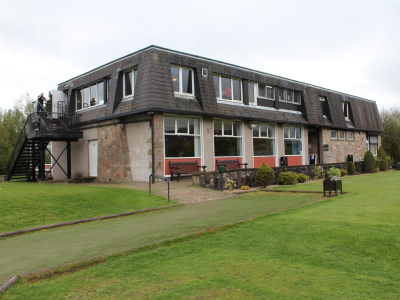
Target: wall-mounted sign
x,y
326,147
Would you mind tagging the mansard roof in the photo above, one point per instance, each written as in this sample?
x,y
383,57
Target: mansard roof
x,y
154,92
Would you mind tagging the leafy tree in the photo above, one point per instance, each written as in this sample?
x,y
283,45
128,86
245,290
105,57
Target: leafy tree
x,y
391,123
382,159
369,163
48,106
395,152
264,175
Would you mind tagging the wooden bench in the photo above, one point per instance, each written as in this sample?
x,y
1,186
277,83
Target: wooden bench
x,y
184,167
231,164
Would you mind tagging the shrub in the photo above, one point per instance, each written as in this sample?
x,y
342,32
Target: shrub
x,y
333,172
369,162
264,175
343,172
244,187
383,160
351,168
390,162
317,172
287,178
395,152
230,184
302,177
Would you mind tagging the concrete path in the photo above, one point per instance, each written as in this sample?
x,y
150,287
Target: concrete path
x,y
37,251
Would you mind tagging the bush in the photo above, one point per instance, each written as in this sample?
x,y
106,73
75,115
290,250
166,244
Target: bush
x,y
369,162
390,162
287,178
333,172
351,168
343,172
395,152
317,172
382,159
245,187
264,175
302,177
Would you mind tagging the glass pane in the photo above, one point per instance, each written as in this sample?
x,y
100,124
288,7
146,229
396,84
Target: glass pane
x,y
289,96
237,89
134,80
263,130
333,134
292,147
270,92
100,93
292,132
251,92
297,97
263,147
169,124
227,146
93,95
194,126
86,97
175,78
262,90
182,125
280,94
271,131
285,132
78,99
197,147
237,128
128,83
187,81
255,130
217,127
226,88
298,132
216,86
227,127
179,146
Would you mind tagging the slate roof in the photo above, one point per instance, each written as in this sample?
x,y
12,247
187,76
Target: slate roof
x,y
154,92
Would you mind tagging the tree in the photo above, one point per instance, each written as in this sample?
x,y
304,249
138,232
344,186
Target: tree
x,y
382,159
395,152
391,124
49,103
369,163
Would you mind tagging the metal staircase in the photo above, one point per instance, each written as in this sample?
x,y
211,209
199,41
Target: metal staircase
x,y
29,152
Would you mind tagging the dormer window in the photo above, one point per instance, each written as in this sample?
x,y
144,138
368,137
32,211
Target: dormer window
x,y
182,80
90,95
345,106
289,95
129,82
228,88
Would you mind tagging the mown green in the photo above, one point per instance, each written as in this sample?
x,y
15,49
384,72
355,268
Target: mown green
x,y
25,205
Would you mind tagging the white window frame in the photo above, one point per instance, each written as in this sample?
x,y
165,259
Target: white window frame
x,y
267,86
335,136
219,93
133,83
345,106
273,137
198,135
222,135
180,92
342,134
98,102
350,135
295,137
285,96
255,95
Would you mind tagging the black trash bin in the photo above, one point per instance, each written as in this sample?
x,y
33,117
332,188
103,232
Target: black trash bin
x,y
332,184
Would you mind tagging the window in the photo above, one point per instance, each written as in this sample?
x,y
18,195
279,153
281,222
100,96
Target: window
x,y
227,138
182,136
182,80
252,94
263,140
289,95
345,106
90,95
373,145
342,135
350,135
322,98
227,88
265,91
292,139
333,134
129,79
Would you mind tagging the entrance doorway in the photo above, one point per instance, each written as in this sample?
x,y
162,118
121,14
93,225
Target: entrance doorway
x,y
93,158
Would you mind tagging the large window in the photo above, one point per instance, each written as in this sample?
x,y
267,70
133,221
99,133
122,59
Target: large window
x,y
259,90
263,139
292,138
373,145
182,80
182,136
228,88
129,84
227,138
289,95
90,95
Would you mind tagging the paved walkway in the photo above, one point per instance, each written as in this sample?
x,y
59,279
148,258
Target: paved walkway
x,y
40,250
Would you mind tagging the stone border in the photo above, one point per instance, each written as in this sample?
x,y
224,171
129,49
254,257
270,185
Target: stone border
x,y
8,284
84,220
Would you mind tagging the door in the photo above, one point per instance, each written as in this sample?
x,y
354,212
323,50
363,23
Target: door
x,y
93,158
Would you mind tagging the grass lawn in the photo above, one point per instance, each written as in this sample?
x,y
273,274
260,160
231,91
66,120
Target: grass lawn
x,y
344,248
25,205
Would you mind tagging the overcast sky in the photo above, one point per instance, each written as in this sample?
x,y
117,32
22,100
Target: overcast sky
x,y
350,46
